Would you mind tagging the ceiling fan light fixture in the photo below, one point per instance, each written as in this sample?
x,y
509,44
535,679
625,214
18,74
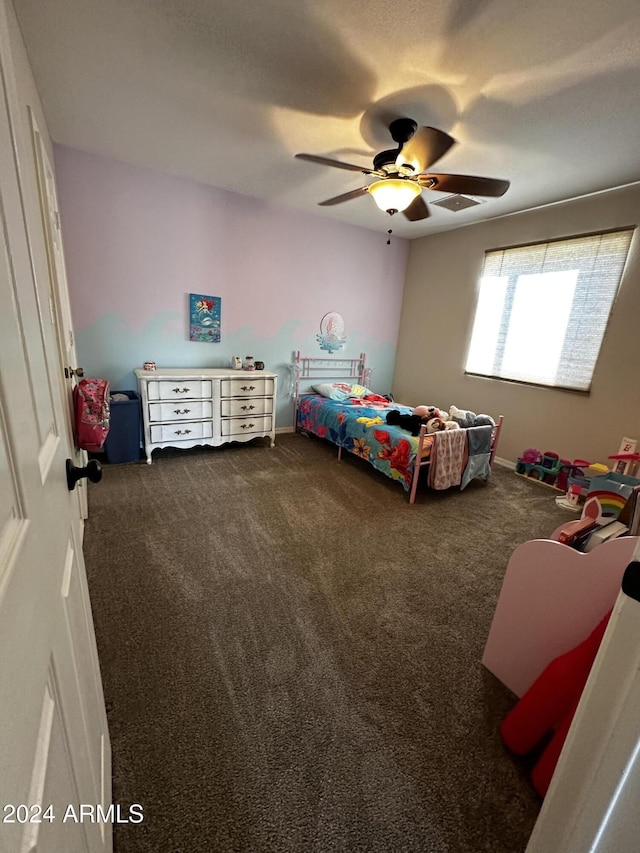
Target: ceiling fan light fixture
x,y
394,194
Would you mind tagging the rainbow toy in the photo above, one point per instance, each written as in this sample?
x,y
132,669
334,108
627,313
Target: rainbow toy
x,y
611,503
611,491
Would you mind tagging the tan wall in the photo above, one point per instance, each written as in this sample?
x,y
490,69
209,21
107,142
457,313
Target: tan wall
x,y
437,318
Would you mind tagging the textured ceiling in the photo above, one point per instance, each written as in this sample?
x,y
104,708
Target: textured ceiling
x,y
543,94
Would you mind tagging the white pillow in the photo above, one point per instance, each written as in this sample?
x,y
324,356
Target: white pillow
x,y
340,390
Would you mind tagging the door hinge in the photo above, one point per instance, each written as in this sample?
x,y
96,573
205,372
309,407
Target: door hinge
x,y
52,311
56,217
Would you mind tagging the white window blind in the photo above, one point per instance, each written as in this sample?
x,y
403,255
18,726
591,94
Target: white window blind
x,y
542,309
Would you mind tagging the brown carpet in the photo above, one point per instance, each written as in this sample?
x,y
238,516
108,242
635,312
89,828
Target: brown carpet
x,y
291,653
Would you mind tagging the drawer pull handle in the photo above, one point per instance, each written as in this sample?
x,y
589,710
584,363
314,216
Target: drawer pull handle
x,y
247,387
244,408
182,411
246,426
183,431
180,390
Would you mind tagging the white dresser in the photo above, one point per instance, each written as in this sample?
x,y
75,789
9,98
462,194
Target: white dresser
x,y
184,407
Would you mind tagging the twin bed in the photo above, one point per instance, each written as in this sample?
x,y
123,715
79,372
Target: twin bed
x,y
349,415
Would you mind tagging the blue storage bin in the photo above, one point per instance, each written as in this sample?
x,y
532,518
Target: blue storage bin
x,y
123,442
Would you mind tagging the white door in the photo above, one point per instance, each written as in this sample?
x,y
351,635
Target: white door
x,y
60,306
54,744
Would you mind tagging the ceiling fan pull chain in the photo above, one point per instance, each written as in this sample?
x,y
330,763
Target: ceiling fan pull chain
x,y
389,232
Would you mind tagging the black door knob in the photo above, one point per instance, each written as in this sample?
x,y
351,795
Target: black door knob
x,y
69,372
92,470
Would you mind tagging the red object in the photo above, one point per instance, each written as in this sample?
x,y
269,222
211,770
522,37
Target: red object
x,y
544,769
561,482
568,534
550,703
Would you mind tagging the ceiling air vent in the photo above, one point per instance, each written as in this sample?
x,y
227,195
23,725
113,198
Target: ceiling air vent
x,y
457,202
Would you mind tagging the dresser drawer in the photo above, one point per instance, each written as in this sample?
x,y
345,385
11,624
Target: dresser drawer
x,y
246,426
182,410
181,432
241,408
258,387
179,389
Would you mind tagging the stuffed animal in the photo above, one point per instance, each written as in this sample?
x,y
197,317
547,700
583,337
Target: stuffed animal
x,y
465,418
484,420
435,425
412,423
422,415
428,412
462,417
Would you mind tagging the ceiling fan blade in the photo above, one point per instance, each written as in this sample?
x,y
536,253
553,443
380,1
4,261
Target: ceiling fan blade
x,y
338,199
417,210
425,147
326,161
464,184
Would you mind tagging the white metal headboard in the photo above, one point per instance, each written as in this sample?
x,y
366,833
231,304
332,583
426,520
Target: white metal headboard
x,y
329,369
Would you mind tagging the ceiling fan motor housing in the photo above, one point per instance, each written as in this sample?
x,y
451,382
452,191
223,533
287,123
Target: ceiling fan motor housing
x,y
402,129
385,158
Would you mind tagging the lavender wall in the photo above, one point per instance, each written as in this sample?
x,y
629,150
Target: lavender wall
x,y
137,242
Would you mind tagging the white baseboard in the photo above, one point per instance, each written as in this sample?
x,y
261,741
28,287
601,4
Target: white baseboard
x,y
281,430
505,463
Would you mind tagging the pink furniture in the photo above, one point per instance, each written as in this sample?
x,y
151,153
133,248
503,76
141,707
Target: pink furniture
x,y
552,598
550,705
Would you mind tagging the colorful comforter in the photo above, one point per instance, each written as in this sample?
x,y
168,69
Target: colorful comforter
x,y
360,427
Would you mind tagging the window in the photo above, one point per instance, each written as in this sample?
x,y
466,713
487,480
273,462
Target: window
x,y
542,309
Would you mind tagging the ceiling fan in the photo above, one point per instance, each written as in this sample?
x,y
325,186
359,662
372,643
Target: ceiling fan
x,y
402,172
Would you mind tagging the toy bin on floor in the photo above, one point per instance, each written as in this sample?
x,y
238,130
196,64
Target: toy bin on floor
x,y
123,442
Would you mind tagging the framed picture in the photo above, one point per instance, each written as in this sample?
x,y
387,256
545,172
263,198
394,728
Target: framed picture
x,y
204,318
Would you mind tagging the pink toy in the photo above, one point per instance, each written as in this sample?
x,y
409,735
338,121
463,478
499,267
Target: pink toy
x,y
573,495
428,412
631,462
